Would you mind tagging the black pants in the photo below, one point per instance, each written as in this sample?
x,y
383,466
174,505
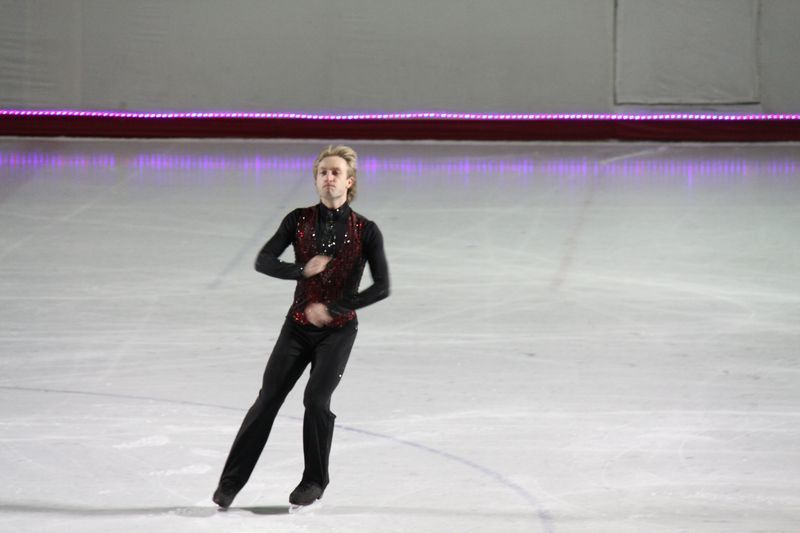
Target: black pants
x,y
327,350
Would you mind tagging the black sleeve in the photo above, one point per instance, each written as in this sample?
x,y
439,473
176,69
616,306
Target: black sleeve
x,y
268,262
378,267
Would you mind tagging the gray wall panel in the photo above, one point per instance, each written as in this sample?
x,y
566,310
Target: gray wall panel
x,y
780,55
687,52
351,55
40,53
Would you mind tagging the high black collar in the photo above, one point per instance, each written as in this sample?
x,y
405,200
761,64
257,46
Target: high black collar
x,y
333,214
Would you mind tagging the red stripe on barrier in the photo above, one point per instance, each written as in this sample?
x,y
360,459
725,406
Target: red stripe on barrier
x,y
641,129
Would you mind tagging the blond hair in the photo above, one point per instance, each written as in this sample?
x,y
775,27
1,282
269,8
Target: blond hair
x,y
351,158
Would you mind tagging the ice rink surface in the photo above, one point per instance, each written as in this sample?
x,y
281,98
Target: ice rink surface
x,y
596,337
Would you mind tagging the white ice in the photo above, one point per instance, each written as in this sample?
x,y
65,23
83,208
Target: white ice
x,y
591,338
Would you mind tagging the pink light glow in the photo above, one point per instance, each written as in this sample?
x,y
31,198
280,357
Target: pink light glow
x,y
398,116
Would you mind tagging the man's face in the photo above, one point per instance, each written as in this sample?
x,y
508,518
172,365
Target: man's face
x,y
332,181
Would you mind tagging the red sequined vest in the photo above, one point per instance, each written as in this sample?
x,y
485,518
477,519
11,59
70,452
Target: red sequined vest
x,y
342,275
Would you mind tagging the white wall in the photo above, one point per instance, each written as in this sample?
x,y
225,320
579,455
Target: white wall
x,y
344,55
780,55
687,52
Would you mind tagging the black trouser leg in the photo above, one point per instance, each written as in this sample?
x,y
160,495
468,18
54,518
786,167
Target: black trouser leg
x,y
328,362
286,364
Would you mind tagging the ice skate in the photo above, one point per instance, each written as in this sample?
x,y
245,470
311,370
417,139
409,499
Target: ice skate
x,y
224,495
305,497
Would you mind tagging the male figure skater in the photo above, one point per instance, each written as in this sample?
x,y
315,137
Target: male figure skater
x,y
332,243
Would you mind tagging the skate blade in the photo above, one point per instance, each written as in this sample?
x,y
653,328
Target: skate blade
x,y
304,509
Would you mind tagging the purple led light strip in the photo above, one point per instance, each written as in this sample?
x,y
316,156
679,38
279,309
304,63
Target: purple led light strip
x,y
398,116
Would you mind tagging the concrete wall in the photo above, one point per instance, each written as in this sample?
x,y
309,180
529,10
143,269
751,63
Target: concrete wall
x,y
366,55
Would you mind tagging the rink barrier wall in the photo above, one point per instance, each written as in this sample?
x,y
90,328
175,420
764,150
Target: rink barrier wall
x,y
674,127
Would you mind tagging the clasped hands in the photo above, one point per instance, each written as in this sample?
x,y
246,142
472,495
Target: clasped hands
x,y
317,313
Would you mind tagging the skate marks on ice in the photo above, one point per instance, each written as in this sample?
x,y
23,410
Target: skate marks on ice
x,y
206,510
321,508
48,508
203,510
537,515
544,518
327,509
145,442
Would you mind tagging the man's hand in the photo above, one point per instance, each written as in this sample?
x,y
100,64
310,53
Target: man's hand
x,y
318,314
316,265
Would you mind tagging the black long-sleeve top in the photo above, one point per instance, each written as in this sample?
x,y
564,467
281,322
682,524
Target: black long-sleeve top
x,y
329,236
